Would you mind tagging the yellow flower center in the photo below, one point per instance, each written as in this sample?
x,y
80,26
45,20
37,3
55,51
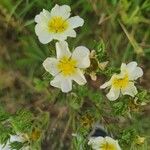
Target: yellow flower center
x,y
108,146
57,24
121,82
67,66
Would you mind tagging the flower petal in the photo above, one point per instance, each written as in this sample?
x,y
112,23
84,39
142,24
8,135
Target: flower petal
x,y
81,54
63,11
96,142
123,67
132,65
44,16
136,73
71,33
44,39
130,90
66,85
79,77
60,37
106,84
56,82
75,22
63,36
113,94
132,69
139,73
41,29
62,49
50,65
111,141
43,36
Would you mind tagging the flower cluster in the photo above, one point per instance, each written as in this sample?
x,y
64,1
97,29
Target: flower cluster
x,y
69,66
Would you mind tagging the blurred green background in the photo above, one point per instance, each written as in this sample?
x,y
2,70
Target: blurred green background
x,y
124,26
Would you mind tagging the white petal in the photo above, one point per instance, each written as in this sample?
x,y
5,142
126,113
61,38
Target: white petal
x,y
113,142
63,11
42,33
79,77
81,54
136,73
50,65
56,82
113,94
71,33
44,16
96,142
130,90
75,22
44,39
62,49
131,69
139,72
60,37
123,67
66,85
106,84
132,65
41,29
63,36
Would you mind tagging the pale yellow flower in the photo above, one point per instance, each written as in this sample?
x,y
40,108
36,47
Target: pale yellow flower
x,y
68,66
103,143
56,24
124,82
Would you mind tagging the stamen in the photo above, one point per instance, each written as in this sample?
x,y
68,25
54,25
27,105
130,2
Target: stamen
x,y
57,24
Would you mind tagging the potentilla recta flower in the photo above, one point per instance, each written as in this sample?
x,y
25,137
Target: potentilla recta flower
x,y
103,143
67,66
56,24
124,82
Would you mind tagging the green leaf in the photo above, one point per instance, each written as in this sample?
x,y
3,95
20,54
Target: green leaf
x,y
5,132
16,145
128,135
120,108
22,121
100,51
3,114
